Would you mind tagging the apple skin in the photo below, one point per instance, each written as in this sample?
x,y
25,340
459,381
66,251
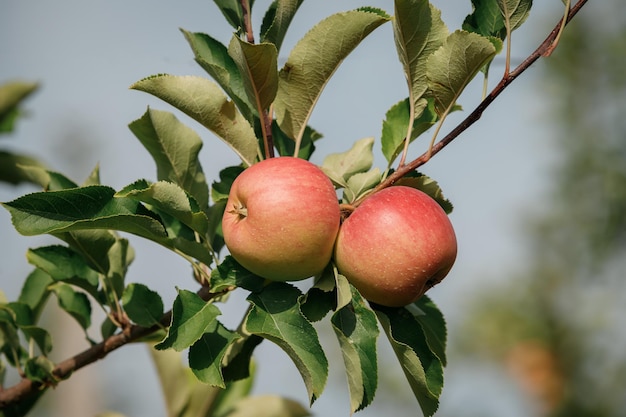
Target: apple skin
x,y
281,219
395,246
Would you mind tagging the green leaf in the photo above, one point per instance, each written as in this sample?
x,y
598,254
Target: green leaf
x,y
287,147
356,329
396,123
276,316
422,368
516,11
231,9
203,101
277,20
486,19
191,317
48,180
418,33
229,273
313,61
429,186
454,65
341,166
35,291
238,364
174,148
63,264
12,167
12,94
169,198
206,354
221,189
360,183
434,325
39,369
40,336
213,57
76,304
258,66
142,305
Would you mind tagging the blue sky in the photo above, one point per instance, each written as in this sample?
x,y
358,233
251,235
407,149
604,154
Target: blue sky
x,y
86,54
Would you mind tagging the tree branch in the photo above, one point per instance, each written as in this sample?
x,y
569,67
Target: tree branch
x,y
544,48
26,388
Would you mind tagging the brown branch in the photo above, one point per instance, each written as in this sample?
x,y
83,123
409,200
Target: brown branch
x,y
26,388
545,47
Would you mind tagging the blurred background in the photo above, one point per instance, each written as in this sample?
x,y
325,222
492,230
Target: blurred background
x,y
536,301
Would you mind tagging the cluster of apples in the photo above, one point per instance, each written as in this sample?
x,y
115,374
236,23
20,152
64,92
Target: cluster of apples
x,y
283,222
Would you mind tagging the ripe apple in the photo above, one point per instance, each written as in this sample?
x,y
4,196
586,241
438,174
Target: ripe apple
x,y
281,219
396,245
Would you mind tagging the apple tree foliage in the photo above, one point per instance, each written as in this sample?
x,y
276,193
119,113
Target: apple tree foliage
x,y
259,110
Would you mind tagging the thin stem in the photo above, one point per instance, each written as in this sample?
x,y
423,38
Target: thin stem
x,y
409,132
247,21
475,115
552,47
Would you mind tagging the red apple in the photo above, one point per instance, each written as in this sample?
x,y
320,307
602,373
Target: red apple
x,y
281,219
396,245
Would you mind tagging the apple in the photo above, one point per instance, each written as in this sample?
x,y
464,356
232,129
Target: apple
x,y
395,246
281,219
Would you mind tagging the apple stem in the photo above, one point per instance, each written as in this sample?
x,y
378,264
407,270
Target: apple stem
x,y
240,210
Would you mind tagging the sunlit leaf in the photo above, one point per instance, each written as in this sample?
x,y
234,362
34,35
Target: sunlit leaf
x,y
396,123
204,101
212,56
267,406
11,95
191,317
418,33
258,66
12,167
486,19
434,325
517,11
360,183
342,165
454,65
356,329
313,61
48,180
277,20
276,316
429,186
174,148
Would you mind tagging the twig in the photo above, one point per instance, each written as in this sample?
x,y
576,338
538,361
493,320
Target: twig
x,y
26,388
475,115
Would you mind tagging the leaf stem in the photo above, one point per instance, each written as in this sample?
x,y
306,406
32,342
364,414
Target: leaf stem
x,y
247,21
476,114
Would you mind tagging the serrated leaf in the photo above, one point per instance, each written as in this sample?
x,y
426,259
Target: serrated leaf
x,y
313,61
277,20
221,189
229,273
169,198
204,101
418,33
341,166
429,186
422,368
191,317
396,124
486,19
35,292
434,325
63,264
357,331
258,66
48,180
360,183
174,148
75,303
12,167
142,305
212,56
454,65
206,354
275,315
515,11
